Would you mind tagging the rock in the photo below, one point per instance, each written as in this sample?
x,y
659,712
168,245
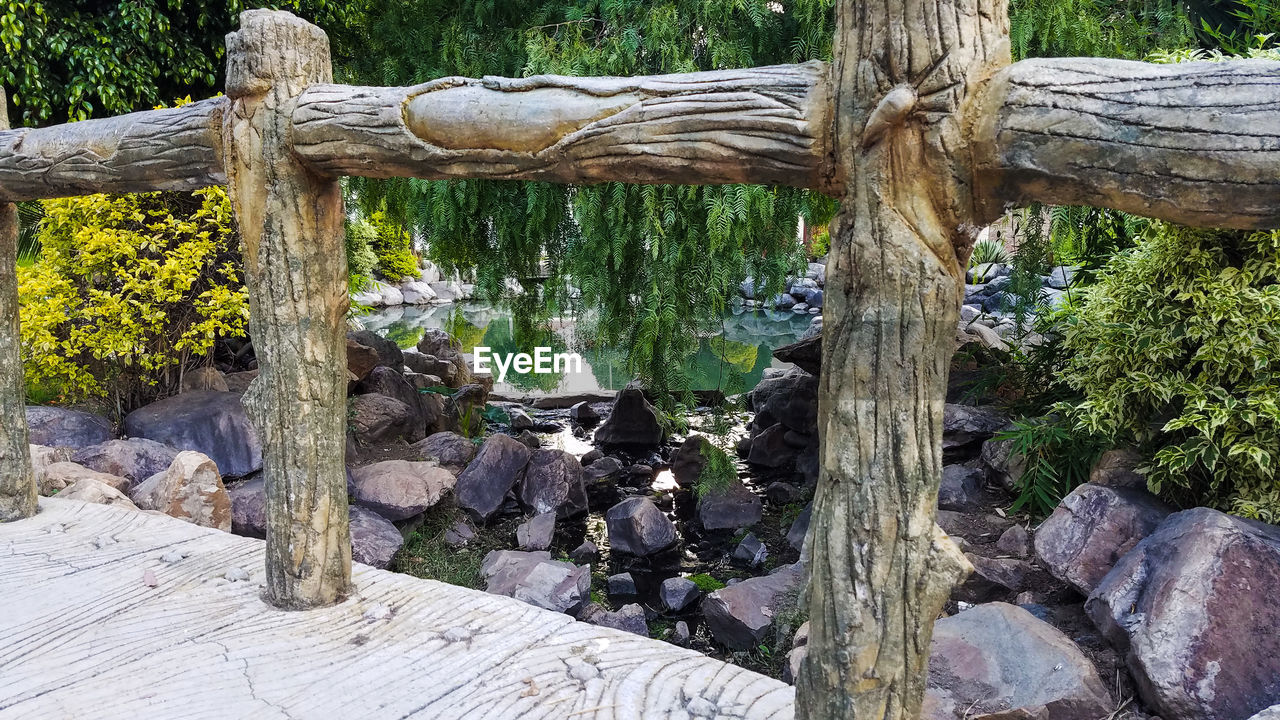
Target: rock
x,y
1006,466
1271,713
553,480
536,533
134,458
681,634
633,421
606,467
399,489
1119,468
1092,528
389,354
92,490
729,508
449,449
781,493
791,669
783,301
439,343
1015,541
1194,607
805,353
61,427
678,593
751,551
535,578
191,489
374,540
249,507
770,448
585,553
799,528
42,457
791,399
689,460
621,585
740,616
991,578
496,469
208,422
637,527
377,419
59,475
964,425
1060,277
383,380
986,272
997,658
361,359
961,488
518,419
529,439
583,414
416,292
591,456
459,535
629,618
204,378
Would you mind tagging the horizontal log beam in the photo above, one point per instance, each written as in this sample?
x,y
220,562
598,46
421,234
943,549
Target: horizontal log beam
x,y
1195,143
171,149
762,125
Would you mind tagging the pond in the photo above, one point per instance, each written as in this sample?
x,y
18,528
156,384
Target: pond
x,y
732,360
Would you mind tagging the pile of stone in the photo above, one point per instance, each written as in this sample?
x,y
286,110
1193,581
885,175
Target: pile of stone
x,y
802,295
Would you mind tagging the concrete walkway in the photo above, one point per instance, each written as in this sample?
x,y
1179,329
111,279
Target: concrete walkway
x,y
110,613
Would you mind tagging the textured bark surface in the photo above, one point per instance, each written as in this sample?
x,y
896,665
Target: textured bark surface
x,y
763,125
17,484
291,224
880,568
1195,143
173,149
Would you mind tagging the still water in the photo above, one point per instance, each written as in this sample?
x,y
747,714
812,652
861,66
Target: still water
x,y
732,360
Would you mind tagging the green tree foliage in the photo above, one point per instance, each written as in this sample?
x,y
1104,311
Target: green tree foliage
x,y
655,265
361,260
73,59
1177,349
393,248
130,290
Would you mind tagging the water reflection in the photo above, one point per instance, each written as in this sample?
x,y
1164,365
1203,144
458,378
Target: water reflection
x,y
733,360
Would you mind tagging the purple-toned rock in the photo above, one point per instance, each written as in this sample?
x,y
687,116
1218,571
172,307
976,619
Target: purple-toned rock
x,y
535,578
208,422
537,532
496,469
1092,528
741,616
629,618
965,425
134,458
1015,541
961,488
991,578
448,448
389,354
790,398
553,481
374,540
378,419
1194,607
249,507
729,508
799,527
61,427
399,489
1119,468
632,422
770,448
678,593
688,461
637,527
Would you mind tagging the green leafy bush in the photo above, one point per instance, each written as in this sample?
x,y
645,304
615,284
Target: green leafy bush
x,y
393,248
128,292
361,260
1177,348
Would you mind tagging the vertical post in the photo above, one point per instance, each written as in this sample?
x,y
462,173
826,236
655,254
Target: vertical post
x,y
17,484
291,224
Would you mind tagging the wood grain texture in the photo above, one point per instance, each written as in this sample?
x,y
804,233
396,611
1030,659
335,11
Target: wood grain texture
x,y
17,484
291,226
172,149
763,125
82,635
1195,143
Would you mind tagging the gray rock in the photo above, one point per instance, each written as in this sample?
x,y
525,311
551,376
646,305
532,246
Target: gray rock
x,y
770,448
361,360
92,490
1060,277
535,578
987,272
629,618
249,507
1005,465
1092,528
585,553
689,460
991,579
964,425
583,413
438,342
496,469
448,448
377,419
1119,468
383,380
536,533
374,540
621,585
795,659
519,419
751,551
1193,606
134,458
782,493
389,353
678,593
591,456
61,427
681,636
805,353
42,457
553,481
961,488
55,476
399,489
1271,713
791,399
1015,541
212,423
460,534
204,378
741,616
529,439
637,527
602,469
799,527
729,508
632,422
999,659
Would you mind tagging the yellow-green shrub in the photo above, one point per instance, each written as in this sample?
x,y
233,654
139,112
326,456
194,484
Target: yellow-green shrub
x,y
128,291
393,247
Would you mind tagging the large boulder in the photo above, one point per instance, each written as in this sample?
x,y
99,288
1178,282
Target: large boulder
x,y
378,419
385,381
249,507
447,448
790,398
61,427
537,579
208,422
1092,528
637,527
496,469
1194,607
439,343
966,425
374,540
361,359
961,488
553,481
204,378
770,448
190,489
805,353
729,508
1005,465
42,457
741,616
399,489
54,477
134,458
389,354
998,660
689,459
1271,713
632,422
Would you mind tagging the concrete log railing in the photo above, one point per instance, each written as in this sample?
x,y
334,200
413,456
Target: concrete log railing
x,y
921,125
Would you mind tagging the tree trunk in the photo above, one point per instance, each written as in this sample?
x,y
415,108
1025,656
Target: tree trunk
x,y
291,223
880,568
17,485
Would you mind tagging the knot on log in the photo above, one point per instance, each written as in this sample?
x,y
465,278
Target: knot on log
x,y
890,112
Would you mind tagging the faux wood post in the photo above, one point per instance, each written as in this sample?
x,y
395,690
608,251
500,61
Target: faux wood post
x,y
291,222
17,485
